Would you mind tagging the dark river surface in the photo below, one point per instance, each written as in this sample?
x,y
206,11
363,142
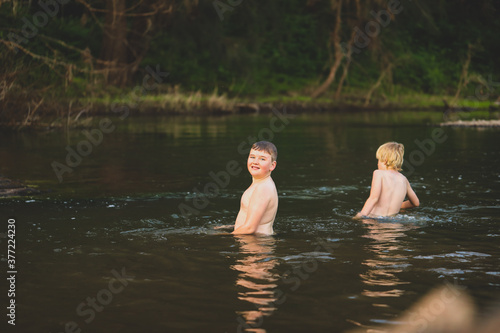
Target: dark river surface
x,y
124,241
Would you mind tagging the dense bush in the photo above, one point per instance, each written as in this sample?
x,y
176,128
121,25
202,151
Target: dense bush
x,y
268,47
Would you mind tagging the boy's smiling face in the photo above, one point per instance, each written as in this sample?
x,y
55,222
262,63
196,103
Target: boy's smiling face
x,y
260,164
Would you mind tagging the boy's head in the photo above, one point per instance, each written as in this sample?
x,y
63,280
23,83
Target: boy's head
x,y
391,154
266,147
262,159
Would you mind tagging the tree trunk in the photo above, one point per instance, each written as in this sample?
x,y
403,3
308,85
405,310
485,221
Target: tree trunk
x,y
122,48
114,51
464,77
348,54
377,84
143,25
346,65
338,53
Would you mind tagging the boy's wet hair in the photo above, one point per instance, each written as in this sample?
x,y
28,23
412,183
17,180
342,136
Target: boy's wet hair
x,y
391,153
267,147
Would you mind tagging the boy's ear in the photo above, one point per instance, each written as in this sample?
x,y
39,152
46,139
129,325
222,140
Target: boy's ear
x,y
273,165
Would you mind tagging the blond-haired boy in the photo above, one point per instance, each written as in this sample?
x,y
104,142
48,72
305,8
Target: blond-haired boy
x,y
389,187
259,203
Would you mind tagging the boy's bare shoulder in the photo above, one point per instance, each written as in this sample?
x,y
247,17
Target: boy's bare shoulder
x,y
267,187
387,172
403,177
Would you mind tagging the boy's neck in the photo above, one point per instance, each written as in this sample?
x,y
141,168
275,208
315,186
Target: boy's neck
x,y
386,168
258,180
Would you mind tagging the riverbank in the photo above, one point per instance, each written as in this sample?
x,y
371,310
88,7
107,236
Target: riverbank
x,y
12,188
78,112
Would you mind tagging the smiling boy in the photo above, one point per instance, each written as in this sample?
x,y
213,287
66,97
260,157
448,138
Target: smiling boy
x,y
259,203
389,186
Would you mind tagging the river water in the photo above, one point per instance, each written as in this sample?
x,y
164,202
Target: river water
x,y
122,237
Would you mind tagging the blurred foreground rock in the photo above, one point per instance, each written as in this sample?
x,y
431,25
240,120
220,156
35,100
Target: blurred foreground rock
x,y
443,310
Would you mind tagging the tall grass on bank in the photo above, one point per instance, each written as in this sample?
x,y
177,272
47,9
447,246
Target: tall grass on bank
x,y
172,101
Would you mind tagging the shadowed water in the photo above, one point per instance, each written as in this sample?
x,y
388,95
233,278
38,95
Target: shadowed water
x,y
109,249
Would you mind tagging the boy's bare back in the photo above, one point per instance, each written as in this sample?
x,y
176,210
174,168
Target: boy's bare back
x,y
263,197
389,187
393,188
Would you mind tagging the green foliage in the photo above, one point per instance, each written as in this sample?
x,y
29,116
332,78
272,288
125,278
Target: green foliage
x,y
426,72
264,48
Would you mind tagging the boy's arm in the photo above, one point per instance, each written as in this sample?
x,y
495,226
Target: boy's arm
x,y
412,198
259,201
375,191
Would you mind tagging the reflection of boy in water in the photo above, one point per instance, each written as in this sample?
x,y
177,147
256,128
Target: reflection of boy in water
x,y
259,203
257,280
389,187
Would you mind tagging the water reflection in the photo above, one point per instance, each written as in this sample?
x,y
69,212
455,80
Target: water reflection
x,y
388,258
257,280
